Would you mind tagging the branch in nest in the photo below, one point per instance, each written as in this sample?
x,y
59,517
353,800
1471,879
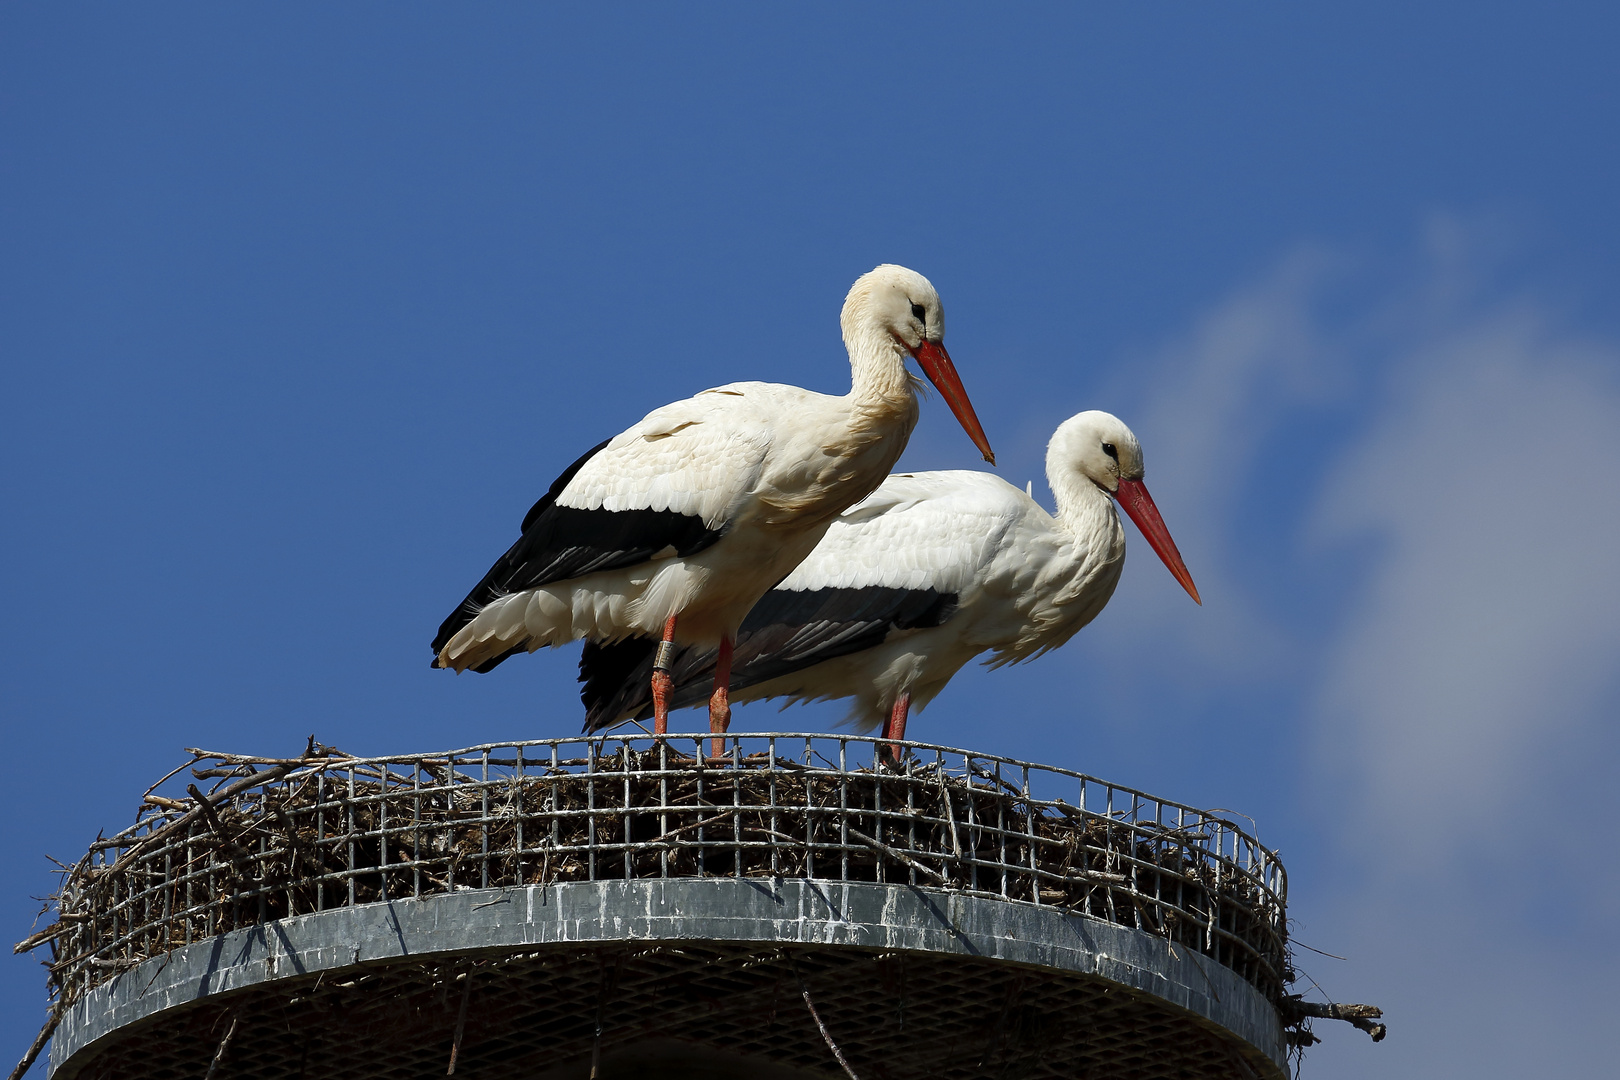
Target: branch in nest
x,y
34,941
219,1053
51,1020
1294,1009
898,856
225,841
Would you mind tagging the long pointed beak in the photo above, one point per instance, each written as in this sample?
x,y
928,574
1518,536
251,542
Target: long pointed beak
x,y
936,364
1133,496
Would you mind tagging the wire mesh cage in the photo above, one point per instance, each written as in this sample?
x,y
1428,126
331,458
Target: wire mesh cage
x,y
283,837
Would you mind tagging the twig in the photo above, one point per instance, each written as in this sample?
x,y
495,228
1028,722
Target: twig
x,y
1319,952
216,774
825,1034
44,1036
772,832
950,812
155,974
461,1024
221,796
1361,1017
172,773
219,1055
215,824
34,941
695,825
986,774
898,856
322,753
295,846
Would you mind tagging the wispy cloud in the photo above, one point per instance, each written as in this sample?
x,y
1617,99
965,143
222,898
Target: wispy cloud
x,y
1456,460
1217,396
1486,639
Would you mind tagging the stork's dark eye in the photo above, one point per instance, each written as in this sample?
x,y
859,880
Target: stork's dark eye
x,y
1108,448
918,313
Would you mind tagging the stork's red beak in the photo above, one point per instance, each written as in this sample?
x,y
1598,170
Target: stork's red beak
x,y
936,364
1133,496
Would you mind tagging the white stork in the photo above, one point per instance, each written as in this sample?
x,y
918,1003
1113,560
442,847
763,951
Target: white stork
x,y
927,573
676,527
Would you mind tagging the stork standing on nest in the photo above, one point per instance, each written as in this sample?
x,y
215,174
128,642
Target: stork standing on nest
x,y
673,529
909,585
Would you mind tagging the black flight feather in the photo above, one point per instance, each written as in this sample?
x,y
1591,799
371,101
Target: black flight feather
x,y
786,631
561,542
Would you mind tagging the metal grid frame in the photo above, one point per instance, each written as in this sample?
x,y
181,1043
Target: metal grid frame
x,y
894,1016
282,837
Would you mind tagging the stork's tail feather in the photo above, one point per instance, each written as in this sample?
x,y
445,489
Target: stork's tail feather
x,y
616,680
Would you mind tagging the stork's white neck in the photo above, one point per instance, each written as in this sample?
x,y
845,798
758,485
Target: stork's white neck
x,y
878,375
1083,508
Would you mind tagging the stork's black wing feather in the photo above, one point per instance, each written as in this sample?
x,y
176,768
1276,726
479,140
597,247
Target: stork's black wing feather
x,y
786,631
561,542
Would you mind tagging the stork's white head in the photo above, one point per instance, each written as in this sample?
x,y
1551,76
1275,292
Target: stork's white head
x,y
1097,448
892,312
896,302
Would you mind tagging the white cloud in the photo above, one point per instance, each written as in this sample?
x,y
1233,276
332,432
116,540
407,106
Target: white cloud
x,y
1460,685
1488,633
1213,399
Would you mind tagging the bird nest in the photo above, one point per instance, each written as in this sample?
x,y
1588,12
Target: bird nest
x,y
278,837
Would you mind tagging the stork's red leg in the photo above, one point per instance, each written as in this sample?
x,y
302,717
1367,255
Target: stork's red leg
x,y
661,682
896,727
719,704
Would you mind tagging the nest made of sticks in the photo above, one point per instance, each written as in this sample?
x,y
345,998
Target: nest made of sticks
x,y
290,836
281,837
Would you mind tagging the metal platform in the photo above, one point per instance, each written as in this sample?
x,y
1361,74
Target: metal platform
x,y
538,909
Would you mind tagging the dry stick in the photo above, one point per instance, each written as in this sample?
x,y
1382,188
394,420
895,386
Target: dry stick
x,y
295,846
215,824
44,1036
461,1024
694,825
950,813
218,797
898,856
34,941
219,1055
325,753
1360,1017
825,1034
172,773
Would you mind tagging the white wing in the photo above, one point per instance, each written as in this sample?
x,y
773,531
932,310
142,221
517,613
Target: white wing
x,y
701,456
932,530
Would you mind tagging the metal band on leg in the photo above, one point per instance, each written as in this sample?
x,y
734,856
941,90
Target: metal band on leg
x,y
663,659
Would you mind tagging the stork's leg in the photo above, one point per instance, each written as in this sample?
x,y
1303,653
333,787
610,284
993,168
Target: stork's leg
x,y
719,705
896,727
661,682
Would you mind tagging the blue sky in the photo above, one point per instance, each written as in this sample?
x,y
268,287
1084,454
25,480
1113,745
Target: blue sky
x,y
300,310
